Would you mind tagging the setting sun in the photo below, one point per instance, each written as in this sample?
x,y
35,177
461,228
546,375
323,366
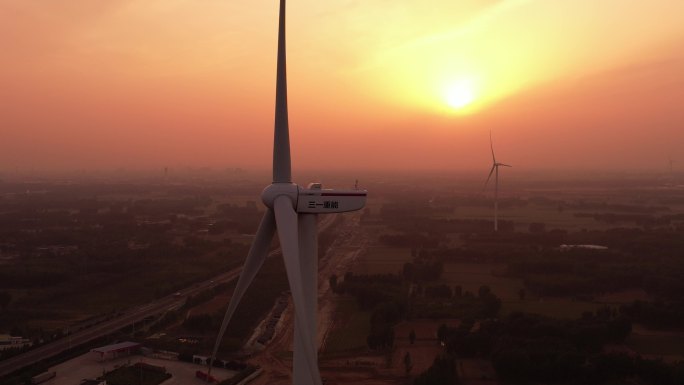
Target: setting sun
x,y
459,95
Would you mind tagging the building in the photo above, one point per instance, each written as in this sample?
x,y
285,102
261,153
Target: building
x,y
8,342
116,350
585,247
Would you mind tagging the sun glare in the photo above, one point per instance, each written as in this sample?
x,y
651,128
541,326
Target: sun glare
x,y
459,95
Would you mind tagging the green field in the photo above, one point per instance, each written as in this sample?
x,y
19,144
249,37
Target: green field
x,y
350,329
470,276
383,260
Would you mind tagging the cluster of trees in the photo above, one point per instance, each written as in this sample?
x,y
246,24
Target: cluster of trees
x,y
615,207
64,244
613,367
403,210
18,276
372,290
467,225
526,347
643,220
583,272
422,270
411,239
382,294
442,372
162,207
648,244
433,303
441,291
529,348
656,314
383,318
552,366
242,219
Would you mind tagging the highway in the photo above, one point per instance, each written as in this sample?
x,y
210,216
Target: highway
x,y
129,317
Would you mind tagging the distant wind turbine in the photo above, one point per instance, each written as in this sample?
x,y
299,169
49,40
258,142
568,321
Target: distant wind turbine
x,y
292,212
495,168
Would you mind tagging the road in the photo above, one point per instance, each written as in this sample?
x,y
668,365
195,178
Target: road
x,y
342,254
129,317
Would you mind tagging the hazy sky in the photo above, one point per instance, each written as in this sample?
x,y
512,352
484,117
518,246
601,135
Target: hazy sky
x,y
90,84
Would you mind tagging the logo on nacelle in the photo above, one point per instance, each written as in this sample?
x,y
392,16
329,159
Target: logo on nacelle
x,y
317,200
325,204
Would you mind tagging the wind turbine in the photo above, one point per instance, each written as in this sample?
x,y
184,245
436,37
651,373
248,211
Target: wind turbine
x,y
495,168
292,212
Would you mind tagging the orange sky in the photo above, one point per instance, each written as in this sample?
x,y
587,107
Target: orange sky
x,y
146,84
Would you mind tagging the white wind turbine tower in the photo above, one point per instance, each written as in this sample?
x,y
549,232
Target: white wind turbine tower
x,y
495,168
292,212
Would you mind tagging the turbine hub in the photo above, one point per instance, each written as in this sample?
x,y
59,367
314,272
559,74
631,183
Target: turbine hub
x,y
272,191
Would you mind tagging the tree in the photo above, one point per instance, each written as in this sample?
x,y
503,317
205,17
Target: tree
x,y
408,363
521,294
484,291
5,299
442,332
333,282
408,271
442,372
412,336
537,228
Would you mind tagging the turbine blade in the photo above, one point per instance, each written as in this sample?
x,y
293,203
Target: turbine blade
x,y
281,137
286,221
505,165
491,145
255,258
308,265
489,177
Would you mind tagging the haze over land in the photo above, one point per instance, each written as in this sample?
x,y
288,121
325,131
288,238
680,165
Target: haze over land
x,y
569,85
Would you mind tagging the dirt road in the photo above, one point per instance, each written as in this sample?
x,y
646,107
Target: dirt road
x,y
276,358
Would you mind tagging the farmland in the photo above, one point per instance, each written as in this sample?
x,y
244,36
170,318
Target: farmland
x,y
406,265
383,260
449,237
349,329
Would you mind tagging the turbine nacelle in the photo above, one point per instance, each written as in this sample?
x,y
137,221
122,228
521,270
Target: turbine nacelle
x,y
315,199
